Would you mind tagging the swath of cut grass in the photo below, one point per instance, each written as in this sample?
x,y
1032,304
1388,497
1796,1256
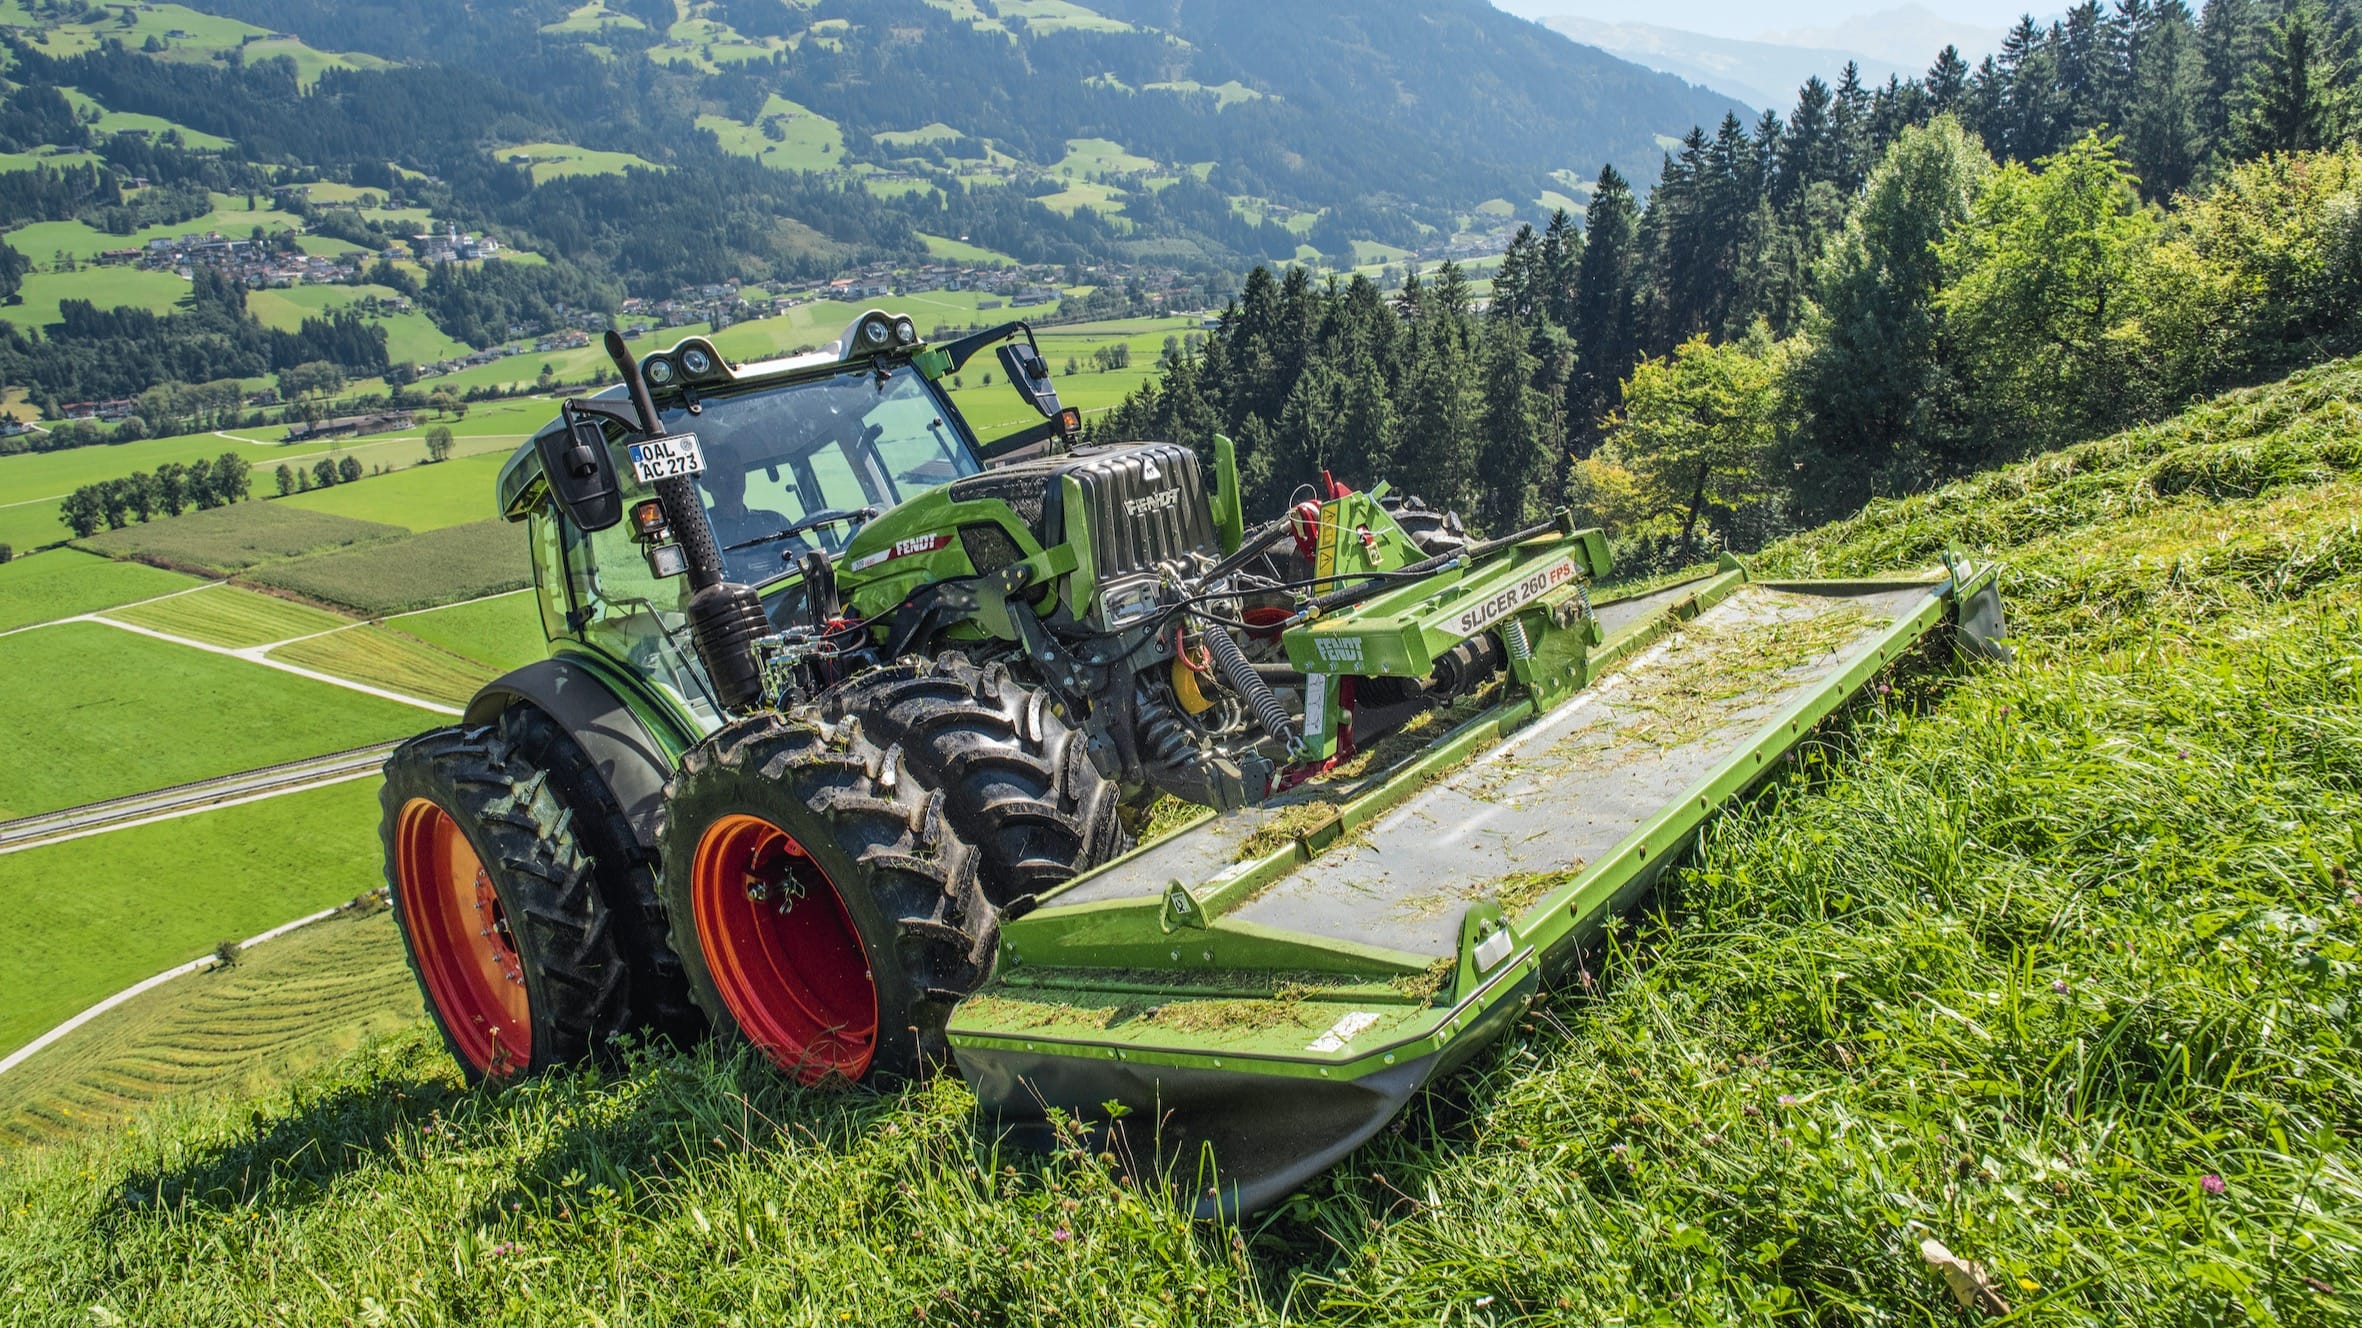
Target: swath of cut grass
x,y
2053,961
504,631
384,657
225,615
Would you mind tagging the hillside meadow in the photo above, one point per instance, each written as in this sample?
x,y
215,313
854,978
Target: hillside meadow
x,y
2051,961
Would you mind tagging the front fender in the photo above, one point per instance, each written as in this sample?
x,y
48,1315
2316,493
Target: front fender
x,y
621,747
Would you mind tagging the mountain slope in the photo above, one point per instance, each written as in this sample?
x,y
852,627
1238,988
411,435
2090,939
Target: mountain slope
x,y
2051,962
1762,74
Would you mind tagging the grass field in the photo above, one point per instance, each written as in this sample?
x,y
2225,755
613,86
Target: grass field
x,y
552,161
116,122
106,287
41,241
993,409
413,572
393,659
503,632
2053,962
111,712
242,535
60,583
418,497
808,140
225,615
280,1011
89,917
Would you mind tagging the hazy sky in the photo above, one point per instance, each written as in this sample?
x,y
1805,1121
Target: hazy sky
x,y
1750,18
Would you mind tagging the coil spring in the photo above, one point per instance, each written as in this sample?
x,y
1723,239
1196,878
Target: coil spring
x,y
1246,682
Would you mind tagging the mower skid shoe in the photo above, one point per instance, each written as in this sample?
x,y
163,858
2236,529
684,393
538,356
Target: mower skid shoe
x,y
1226,1142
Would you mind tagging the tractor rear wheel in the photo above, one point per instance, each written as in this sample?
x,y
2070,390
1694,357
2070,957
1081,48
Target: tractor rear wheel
x,y
1016,780
821,905
494,899
623,869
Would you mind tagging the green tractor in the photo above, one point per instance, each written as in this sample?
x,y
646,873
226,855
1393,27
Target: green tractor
x,y
850,719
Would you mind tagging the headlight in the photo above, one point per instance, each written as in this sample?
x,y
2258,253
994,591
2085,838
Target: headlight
x,y
658,371
697,362
904,333
876,333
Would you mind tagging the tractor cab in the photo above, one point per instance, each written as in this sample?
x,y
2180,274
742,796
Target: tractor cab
x,y
795,457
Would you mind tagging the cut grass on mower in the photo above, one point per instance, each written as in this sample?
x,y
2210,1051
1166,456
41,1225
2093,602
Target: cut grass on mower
x,y
104,912
2052,962
90,712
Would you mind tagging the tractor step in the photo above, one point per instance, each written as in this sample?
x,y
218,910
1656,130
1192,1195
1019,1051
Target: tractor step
x,y
1258,993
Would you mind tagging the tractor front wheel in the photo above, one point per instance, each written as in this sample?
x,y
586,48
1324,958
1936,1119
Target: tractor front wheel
x,y
494,900
819,901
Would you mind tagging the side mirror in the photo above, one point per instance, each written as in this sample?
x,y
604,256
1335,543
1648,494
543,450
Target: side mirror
x,y
1029,373
581,474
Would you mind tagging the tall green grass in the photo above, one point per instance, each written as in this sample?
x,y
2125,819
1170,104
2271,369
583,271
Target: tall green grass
x,y
2055,962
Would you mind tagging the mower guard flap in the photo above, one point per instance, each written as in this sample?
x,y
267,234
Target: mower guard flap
x,y
1237,1006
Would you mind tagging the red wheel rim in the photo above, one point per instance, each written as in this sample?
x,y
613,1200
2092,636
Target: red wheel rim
x,y
462,941
782,950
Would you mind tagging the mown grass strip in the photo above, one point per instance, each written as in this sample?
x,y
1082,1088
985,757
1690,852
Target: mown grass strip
x,y
384,657
226,615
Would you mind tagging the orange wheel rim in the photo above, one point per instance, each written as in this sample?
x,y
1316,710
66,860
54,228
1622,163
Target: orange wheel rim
x,y
783,951
460,935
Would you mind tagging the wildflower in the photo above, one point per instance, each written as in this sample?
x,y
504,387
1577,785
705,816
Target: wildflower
x,y
1883,689
2211,1183
2060,986
1787,1099
1062,1235
506,1247
2182,752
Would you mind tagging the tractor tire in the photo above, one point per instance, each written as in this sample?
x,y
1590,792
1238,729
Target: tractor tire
x,y
1016,780
494,897
822,907
1430,531
624,870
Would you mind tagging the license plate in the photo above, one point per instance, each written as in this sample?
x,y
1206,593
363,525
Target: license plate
x,y
667,458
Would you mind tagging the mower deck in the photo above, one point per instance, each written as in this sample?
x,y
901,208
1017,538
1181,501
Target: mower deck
x,y
1260,992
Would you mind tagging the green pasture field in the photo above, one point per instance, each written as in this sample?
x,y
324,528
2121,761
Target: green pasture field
x,y
553,161
89,917
419,497
1226,95
144,714
311,63
283,1009
116,122
389,658
106,287
1047,16
514,371
60,583
1100,156
960,251
809,141
229,539
594,17
503,631
225,615
33,161
413,572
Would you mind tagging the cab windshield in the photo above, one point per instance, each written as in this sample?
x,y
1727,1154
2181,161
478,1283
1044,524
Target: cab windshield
x,y
850,444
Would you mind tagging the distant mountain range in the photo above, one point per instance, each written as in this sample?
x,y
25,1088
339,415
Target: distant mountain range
x,y
1763,69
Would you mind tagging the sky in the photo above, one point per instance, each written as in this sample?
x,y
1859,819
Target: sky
x,y
1757,18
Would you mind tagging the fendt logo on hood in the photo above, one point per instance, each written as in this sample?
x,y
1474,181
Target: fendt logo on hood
x,y
1155,502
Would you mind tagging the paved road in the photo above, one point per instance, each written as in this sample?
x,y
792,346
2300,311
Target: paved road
x,y
188,799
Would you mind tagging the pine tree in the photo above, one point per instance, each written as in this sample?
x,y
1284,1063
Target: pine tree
x,y
2164,121
2286,103
1947,81
1514,454
1604,342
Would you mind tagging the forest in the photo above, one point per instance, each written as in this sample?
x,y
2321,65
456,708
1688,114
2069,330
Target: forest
x,y
1887,287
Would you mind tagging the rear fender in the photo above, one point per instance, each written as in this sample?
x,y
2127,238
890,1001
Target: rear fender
x,y
621,746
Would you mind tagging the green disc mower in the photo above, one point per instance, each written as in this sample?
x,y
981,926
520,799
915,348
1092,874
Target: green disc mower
x,y
850,723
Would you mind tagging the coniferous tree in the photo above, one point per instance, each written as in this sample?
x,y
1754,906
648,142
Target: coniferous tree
x,y
2164,126
1605,344
2286,103
1947,82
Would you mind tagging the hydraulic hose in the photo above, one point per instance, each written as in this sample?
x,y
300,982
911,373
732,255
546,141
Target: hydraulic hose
x,y
1239,672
